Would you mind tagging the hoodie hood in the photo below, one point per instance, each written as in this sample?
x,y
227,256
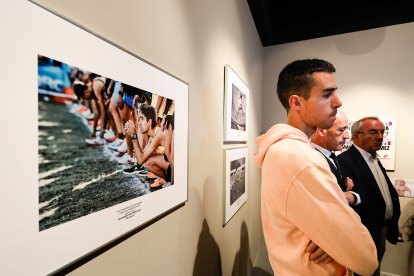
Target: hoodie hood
x,y
273,135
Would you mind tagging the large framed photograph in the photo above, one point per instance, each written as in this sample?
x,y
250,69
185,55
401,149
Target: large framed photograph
x,y
236,188
235,107
97,135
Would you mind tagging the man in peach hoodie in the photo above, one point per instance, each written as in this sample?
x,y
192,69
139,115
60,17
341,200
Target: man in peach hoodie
x,y
302,206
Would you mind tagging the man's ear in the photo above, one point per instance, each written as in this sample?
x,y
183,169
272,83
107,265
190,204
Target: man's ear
x,y
320,132
295,102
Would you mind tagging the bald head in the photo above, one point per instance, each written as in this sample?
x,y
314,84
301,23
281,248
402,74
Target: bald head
x,y
335,137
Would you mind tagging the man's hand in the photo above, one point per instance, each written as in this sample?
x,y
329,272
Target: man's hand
x,y
316,254
350,197
349,184
129,127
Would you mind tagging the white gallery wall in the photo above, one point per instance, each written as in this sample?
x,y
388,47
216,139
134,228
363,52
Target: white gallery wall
x,y
375,76
192,40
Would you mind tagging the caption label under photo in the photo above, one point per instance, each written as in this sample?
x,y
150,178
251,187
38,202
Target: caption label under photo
x,y
129,211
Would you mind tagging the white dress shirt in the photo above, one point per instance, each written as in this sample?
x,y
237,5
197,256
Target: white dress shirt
x,y
372,163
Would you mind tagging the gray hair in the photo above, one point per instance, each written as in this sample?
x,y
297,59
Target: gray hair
x,y
356,127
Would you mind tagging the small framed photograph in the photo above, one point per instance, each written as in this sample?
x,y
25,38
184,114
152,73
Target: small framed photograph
x,y
404,187
235,181
235,107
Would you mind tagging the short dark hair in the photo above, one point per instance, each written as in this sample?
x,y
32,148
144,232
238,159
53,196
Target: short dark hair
x,y
296,78
149,113
79,89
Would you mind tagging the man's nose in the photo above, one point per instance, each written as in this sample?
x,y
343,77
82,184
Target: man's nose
x,y
336,102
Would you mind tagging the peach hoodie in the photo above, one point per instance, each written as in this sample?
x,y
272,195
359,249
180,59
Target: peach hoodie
x,y
301,201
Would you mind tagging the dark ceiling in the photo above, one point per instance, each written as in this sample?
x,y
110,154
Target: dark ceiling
x,y
279,22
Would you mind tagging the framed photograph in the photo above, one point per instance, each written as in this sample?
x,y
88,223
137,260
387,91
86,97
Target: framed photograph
x,y
235,107
406,221
404,187
236,188
83,187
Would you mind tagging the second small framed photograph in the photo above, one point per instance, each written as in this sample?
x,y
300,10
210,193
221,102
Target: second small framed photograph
x,y
235,181
235,107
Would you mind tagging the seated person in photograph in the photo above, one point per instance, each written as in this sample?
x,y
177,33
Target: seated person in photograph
x,y
164,167
154,148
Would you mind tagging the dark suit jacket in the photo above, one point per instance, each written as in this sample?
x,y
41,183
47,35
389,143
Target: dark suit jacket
x,y
372,207
336,171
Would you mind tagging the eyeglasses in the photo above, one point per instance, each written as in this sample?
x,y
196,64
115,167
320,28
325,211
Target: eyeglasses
x,y
384,133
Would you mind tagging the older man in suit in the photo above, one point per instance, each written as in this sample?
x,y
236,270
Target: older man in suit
x,y
380,208
327,141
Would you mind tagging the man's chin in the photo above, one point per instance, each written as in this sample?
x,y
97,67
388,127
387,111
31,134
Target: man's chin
x,y
326,125
330,121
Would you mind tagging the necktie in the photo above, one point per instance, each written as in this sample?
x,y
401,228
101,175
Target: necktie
x,y
335,159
